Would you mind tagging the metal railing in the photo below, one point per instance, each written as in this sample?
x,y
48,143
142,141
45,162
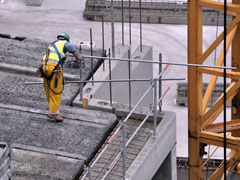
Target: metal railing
x,y
5,160
155,83
129,61
125,143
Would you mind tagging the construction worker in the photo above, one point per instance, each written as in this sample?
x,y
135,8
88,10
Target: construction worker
x,y
52,72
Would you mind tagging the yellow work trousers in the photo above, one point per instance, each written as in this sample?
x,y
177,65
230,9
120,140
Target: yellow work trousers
x,y
53,89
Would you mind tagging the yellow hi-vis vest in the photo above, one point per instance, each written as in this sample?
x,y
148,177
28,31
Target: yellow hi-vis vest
x,y
53,56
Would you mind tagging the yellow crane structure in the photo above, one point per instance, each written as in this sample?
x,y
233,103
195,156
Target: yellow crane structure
x,y
202,126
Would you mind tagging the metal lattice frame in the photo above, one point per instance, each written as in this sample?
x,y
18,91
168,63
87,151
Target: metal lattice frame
x,y
201,126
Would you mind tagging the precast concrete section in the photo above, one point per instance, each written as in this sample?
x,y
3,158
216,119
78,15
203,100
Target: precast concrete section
x,y
101,93
76,139
29,52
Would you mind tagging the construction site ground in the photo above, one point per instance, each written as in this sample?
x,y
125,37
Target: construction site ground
x,y
55,16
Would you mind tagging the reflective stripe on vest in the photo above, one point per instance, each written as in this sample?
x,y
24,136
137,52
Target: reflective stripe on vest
x,y
53,56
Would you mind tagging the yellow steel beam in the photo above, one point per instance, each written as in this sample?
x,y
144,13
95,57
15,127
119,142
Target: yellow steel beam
x,y
219,39
216,109
217,140
218,127
235,62
195,82
213,79
233,157
219,72
220,5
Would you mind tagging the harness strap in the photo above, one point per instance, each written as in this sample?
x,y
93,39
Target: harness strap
x,y
58,53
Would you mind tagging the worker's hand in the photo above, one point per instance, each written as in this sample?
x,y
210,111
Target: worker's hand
x,y
77,55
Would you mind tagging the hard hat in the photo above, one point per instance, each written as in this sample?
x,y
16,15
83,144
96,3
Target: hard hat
x,y
238,167
63,36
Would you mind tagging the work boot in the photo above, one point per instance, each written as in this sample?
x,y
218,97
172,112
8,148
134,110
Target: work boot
x,y
56,117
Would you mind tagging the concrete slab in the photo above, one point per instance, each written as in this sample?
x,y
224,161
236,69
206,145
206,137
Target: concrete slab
x,y
28,53
31,165
45,145
13,91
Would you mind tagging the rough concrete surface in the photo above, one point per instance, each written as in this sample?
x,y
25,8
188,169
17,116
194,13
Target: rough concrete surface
x,y
80,134
32,165
30,51
13,91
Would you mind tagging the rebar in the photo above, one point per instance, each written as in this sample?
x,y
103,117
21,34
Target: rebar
x,y
112,27
103,41
81,78
91,49
129,83
154,107
110,77
130,22
140,22
122,24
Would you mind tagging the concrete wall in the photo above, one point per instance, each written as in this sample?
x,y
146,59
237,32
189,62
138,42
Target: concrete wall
x,y
142,71
152,12
119,70
158,157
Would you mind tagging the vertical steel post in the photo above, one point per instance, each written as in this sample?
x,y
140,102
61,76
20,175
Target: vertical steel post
x,y
103,42
110,77
91,49
160,82
112,25
129,83
89,173
81,78
122,24
124,149
130,23
154,107
140,22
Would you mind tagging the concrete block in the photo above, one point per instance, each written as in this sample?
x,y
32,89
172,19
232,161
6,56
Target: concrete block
x,y
119,70
33,2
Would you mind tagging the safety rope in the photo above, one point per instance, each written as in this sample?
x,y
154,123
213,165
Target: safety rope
x,y
47,81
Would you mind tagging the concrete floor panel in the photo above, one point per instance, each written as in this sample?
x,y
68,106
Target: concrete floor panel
x,y
78,136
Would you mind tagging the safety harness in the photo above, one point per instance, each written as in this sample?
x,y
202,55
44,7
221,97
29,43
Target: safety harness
x,y
56,69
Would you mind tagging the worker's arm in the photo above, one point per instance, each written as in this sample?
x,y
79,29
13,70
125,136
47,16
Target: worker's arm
x,y
69,48
77,55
